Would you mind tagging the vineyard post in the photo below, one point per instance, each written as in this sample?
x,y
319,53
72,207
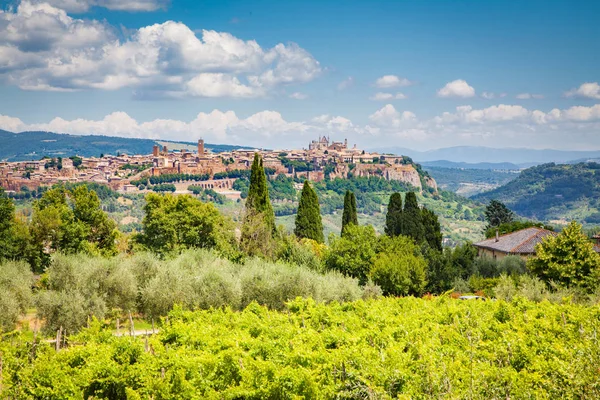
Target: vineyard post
x,y
131,328
58,334
117,326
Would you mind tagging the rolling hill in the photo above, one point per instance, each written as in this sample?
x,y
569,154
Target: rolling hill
x,y
35,145
477,154
553,192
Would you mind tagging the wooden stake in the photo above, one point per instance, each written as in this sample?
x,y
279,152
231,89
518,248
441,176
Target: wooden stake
x,y
131,329
58,334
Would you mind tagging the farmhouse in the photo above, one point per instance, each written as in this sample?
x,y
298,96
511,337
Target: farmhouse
x,y
520,243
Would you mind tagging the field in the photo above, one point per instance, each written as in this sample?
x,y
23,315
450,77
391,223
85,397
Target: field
x,y
435,347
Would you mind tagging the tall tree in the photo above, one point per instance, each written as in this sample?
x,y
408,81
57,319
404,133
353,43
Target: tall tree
x,y
258,229
7,217
568,259
431,229
496,214
412,221
393,218
308,218
349,215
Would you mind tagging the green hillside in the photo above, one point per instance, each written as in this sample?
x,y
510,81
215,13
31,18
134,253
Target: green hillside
x,y
35,145
551,191
470,181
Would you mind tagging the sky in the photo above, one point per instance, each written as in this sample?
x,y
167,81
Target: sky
x,y
276,74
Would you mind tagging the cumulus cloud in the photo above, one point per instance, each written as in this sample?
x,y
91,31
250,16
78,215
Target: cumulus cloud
x,y
381,96
346,83
589,90
527,96
457,88
390,81
43,48
81,6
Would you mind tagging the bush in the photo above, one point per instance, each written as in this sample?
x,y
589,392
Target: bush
x,y
15,292
512,265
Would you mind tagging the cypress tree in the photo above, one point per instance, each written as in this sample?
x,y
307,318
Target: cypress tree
x,y
308,218
393,218
258,228
432,230
412,222
349,215
258,194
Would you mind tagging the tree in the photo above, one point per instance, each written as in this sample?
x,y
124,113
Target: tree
x,y
399,268
258,230
349,215
393,218
7,216
432,230
412,221
173,223
308,218
568,259
352,254
496,213
70,221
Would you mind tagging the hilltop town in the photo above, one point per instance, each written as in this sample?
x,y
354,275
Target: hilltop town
x,y
209,170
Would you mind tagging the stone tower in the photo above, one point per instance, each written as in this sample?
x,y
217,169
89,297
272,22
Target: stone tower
x,y
155,150
200,147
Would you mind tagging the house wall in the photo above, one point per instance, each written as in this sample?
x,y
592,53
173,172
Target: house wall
x,y
499,255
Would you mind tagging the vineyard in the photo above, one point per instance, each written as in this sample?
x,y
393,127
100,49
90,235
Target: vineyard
x,y
435,347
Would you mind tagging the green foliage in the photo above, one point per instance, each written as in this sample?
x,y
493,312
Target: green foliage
x,y
383,349
352,254
567,259
79,287
173,223
412,220
349,216
164,187
496,214
15,292
308,218
258,203
393,218
509,227
70,221
431,228
399,268
207,194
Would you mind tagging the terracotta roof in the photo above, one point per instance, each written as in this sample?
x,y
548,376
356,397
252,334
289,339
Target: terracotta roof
x,y
519,242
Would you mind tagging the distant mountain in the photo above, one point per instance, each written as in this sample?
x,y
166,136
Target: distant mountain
x,y
504,166
551,191
35,145
472,154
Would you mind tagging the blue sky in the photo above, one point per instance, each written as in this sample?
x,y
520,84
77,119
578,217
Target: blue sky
x,y
418,74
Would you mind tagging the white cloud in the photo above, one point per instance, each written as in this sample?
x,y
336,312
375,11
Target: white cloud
x,y
80,6
299,96
457,88
390,81
43,48
590,90
527,96
219,85
381,96
346,83
500,125
387,116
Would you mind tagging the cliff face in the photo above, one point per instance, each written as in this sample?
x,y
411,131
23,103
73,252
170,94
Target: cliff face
x,y
397,172
404,173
